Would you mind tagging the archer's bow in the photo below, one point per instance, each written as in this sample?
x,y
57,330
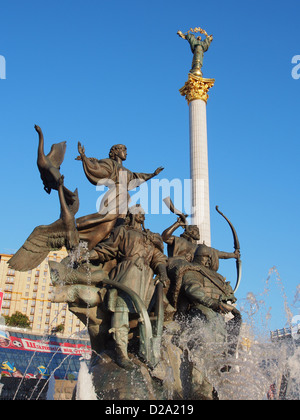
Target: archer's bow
x,y
237,248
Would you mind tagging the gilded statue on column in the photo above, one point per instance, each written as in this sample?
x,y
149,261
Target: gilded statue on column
x,y
198,48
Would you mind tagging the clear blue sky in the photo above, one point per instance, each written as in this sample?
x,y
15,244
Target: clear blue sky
x,y
106,72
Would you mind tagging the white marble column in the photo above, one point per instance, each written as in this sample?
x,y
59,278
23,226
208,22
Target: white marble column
x,y
195,91
199,169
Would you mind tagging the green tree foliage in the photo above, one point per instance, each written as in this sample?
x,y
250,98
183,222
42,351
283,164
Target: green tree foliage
x,y
58,329
17,320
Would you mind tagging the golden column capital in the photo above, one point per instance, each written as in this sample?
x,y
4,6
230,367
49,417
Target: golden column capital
x,y
196,88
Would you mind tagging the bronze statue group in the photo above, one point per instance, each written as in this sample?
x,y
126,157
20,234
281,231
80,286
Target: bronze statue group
x,y
122,278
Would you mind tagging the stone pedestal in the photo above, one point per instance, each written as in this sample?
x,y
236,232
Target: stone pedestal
x,y
196,92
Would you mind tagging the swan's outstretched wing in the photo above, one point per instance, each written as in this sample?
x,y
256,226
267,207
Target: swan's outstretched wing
x,y
42,240
57,154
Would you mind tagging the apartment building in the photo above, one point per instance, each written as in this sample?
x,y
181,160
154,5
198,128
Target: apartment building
x,y
30,293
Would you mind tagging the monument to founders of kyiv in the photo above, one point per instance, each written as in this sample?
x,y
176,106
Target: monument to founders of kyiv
x,y
151,317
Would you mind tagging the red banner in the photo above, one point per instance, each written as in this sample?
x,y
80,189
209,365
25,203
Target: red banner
x,y
1,300
28,344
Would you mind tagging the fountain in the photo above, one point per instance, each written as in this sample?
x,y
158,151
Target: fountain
x,y
85,388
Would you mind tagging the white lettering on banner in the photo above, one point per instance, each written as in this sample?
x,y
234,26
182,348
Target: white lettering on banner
x,y
32,345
